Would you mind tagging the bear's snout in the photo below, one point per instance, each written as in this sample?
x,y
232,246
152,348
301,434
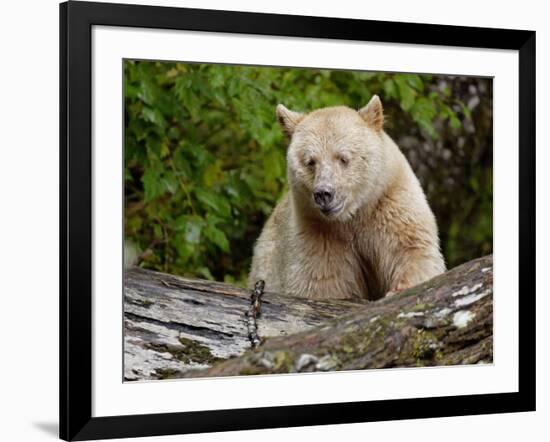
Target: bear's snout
x,y
323,196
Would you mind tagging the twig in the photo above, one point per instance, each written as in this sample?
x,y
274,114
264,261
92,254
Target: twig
x,y
254,312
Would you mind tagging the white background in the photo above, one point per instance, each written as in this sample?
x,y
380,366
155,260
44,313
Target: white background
x,y
29,219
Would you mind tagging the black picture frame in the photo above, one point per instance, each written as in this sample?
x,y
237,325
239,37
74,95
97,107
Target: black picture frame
x,y
76,21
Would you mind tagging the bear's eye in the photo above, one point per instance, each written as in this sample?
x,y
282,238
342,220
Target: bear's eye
x,y
343,160
310,162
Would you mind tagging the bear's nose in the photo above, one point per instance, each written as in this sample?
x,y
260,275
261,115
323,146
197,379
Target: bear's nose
x,y
323,196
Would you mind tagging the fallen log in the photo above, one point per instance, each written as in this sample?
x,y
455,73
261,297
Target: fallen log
x,y
176,327
173,325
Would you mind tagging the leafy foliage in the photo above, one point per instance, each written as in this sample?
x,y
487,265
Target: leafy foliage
x,y
205,158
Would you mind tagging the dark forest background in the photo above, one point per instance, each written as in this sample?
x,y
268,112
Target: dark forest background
x,y
205,157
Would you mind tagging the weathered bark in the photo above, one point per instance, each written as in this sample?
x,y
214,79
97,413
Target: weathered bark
x,y
177,327
173,324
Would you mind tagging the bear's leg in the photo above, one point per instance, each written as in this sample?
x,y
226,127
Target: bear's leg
x,y
415,267
265,264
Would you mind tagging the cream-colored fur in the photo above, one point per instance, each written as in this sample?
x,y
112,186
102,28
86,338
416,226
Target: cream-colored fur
x,y
376,235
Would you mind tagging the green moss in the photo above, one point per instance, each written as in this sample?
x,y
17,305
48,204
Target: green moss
x,y
197,352
358,340
283,362
424,346
347,348
251,370
279,362
190,351
140,302
167,373
420,307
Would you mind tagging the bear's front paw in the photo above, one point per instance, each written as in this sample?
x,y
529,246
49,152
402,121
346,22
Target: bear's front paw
x,y
397,289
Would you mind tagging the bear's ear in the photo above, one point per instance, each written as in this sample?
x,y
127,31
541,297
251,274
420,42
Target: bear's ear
x,y
373,113
288,119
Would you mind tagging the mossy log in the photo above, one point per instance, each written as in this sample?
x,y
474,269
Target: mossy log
x,y
173,325
176,327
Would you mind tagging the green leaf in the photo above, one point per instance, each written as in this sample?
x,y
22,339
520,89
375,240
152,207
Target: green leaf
x,y
415,81
454,121
213,201
205,273
157,229
152,184
217,237
406,93
154,116
466,111
390,88
191,226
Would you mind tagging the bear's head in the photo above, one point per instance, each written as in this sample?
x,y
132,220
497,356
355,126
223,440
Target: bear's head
x,y
335,157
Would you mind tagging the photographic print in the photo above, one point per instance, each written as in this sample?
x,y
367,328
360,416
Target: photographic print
x,y
293,220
